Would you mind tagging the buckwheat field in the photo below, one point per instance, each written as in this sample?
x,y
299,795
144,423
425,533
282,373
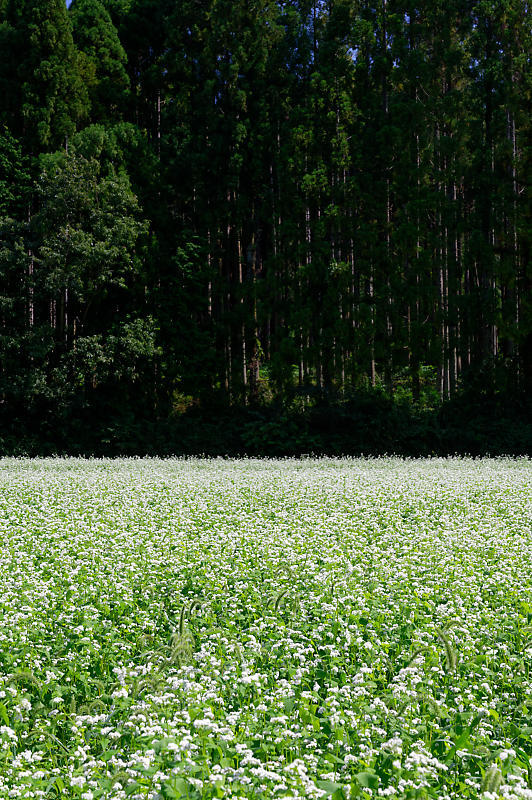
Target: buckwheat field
x,y
266,629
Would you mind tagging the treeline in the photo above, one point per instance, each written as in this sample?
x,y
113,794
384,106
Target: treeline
x,y
210,205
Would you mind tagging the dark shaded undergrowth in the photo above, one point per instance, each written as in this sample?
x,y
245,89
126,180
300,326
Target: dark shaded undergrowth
x,y
369,424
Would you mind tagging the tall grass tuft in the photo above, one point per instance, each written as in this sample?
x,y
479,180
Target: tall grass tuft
x,y
492,780
451,658
278,599
182,641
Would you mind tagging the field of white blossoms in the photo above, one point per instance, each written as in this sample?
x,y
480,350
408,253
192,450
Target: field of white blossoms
x,y
266,629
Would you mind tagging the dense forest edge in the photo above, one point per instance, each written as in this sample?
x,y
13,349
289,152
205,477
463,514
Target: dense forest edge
x,y
265,228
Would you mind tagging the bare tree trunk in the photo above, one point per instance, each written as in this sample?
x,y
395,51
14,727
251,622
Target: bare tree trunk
x,y
242,318
373,372
254,366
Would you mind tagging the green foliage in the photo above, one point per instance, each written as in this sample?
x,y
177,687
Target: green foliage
x,y
78,254
14,177
43,93
273,210
106,77
87,228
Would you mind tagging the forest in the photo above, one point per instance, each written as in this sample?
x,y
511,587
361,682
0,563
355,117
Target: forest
x,y
259,227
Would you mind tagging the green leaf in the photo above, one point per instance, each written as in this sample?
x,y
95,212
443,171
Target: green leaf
x,y
3,713
462,740
50,785
288,704
177,790
368,780
333,759
330,787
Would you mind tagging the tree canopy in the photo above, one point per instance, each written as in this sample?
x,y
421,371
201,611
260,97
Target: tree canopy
x,y
212,206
